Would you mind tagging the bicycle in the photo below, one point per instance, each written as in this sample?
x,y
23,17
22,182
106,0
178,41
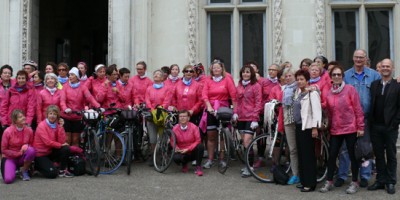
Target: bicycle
x,y
322,155
142,142
275,155
166,143
224,116
112,144
237,144
129,118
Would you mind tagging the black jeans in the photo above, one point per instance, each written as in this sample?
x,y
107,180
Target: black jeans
x,y
335,143
195,154
45,166
306,153
385,138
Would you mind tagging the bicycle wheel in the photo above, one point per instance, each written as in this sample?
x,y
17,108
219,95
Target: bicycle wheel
x,y
223,150
113,152
129,150
92,152
322,162
238,145
164,151
262,172
284,154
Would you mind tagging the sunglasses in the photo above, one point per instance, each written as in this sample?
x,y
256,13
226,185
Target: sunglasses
x,y
188,71
62,70
336,74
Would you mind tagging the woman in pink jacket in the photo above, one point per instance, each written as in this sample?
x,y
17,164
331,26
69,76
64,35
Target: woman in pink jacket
x,y
95,83
82,66
20,96
124,74
50,95
62,69
140,83
111,93
173,78
188,143
74,97
17,148
5,83
217,91
347,123
50,145
247,111
317,80
187,95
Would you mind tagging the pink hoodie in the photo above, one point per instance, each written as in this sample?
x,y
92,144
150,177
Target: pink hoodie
x,y
222,90
44,100
24,100
75,99
139,88
156,97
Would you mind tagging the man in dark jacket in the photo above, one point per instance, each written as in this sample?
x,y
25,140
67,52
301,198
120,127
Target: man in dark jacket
x,y
385,119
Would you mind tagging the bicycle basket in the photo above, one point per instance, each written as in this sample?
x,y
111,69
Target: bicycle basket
x,y
90,116
224,114
128,114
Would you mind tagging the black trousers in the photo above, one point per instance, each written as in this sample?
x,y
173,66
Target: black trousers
x,y
306,153
383,139
45,166
196,154
335,143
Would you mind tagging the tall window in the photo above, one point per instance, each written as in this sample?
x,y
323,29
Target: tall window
x,y
236,32
368,24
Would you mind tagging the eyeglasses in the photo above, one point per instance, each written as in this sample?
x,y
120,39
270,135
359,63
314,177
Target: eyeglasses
x,y
336,75
188,71
62,70
272,70
359,57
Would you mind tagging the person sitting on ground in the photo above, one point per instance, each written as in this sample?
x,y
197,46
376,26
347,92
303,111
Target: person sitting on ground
x,y
188,143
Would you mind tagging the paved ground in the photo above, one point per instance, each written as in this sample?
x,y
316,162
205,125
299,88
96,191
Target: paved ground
x,y
145,183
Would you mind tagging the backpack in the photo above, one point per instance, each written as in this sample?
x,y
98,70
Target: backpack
x,y
280,176
363,149
76,165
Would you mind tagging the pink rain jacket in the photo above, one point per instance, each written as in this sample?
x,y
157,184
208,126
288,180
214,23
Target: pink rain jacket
x,y
249,102
187,139
46,139
139,88
187,97
44,100
13,140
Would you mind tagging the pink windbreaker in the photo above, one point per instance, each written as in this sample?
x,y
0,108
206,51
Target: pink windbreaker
x,y
187,97
277,94
3,92
95,86
127,91
139,88
266,86
44,100
221,91
46,139
24,100
344,111
108,97
156,97
75,99
171,84
13,140
187,139
249,102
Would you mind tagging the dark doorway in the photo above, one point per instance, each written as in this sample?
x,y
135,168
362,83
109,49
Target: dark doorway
x,y
72,31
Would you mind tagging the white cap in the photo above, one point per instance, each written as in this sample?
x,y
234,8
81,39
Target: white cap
x,y
99,66
75,71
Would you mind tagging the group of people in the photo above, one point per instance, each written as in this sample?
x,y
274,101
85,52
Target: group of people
x,y
359,103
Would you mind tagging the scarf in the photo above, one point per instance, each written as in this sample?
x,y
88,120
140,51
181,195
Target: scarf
x,y
158,86
336,89
20,88
51,90
314,80
38,85
187,83
217,79
288,94
173,78
122,83
184,128
144,76
198,78
245,83
113,84
51,125
273,80
84,78
74,85
62,80
19,129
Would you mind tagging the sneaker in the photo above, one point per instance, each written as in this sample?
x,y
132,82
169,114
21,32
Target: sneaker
x,y
65,173
242,170
258,163
199,171
246,173
364,183
327,187
222,164
25,176
208,164
185,168
293,180
353,187
205,154
339,182
194,163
